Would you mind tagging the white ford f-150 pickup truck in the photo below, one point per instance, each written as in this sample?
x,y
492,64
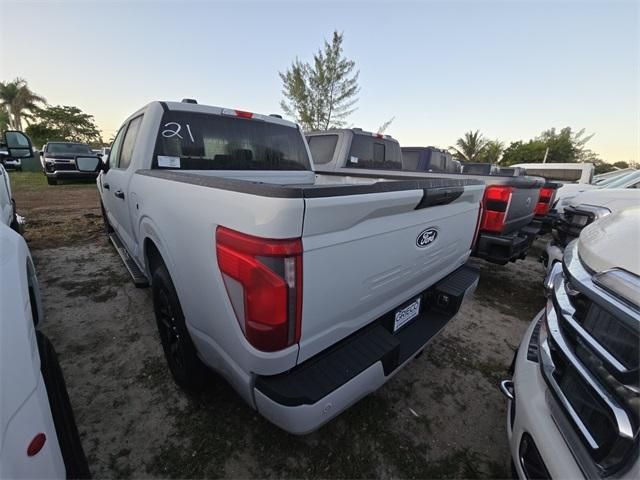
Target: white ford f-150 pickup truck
x,y
306,292
574,401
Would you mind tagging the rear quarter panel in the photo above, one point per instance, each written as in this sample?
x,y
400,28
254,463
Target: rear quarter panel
x,y
182,220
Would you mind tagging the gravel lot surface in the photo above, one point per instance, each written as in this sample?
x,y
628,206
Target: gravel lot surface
x,y
441,417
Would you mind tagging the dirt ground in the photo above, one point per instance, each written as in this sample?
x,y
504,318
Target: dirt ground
x,y
440,417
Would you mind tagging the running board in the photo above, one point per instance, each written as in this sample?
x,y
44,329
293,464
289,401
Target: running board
x,y
140,280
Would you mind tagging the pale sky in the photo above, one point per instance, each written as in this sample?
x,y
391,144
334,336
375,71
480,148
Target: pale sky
x,y
509,69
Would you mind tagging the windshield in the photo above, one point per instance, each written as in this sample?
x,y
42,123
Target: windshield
x,y
201,141
68,148
624,181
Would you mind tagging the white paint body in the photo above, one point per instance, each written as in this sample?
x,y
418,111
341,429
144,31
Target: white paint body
x,y
606,244
606,201
6,206
360,256
24,404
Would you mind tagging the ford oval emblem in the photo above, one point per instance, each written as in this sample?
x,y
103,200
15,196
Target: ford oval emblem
x,y
426,237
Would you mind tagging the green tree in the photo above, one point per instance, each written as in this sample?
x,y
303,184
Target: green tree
x,y
321,94
564,146
383,128
63,123
519,152
492,152
19,101
470,147
621,165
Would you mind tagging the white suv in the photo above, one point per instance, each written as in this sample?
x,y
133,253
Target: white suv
x,y
574,401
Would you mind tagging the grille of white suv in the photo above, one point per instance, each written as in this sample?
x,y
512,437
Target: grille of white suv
x,y
589,357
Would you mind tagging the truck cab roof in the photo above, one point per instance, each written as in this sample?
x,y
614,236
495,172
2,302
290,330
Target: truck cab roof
x,y
213,110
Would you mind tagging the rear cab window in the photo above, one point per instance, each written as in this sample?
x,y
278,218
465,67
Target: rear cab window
x,y
205,141
322,148
368,151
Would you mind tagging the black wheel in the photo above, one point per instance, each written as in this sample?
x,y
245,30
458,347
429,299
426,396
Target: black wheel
x,y
187,369
75,461
107,226
52,181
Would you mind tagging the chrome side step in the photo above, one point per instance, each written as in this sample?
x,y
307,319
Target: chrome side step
x,y
140,280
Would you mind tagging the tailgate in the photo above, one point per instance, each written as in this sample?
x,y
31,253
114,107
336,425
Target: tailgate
x,y
522,206
361,256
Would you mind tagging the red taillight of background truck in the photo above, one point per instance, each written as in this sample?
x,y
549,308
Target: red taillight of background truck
x,y
263,278
495,204
544,201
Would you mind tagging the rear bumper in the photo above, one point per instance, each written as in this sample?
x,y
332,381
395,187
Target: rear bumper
x,y
304,398
502,249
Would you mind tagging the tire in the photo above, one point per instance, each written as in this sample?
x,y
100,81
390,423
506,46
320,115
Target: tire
x,y
187,369
52,181
73,455
107,226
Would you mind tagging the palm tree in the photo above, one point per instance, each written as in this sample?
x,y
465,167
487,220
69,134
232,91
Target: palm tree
x,y
19,101
470,147
492,151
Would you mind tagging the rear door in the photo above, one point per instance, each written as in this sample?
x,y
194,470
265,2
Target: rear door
x,y
362,257
116,181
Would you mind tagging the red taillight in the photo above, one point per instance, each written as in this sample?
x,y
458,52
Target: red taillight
x,y
36,444
243,114
267,293
544,201
495,203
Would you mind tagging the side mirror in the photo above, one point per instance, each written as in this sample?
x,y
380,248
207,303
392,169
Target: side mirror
x,y
18,144
88,164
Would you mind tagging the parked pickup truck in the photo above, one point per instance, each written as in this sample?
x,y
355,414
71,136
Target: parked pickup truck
x,y
508,205
573,399
305,291
59,160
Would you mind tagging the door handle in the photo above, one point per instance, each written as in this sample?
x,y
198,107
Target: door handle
x,y
119,194
106,185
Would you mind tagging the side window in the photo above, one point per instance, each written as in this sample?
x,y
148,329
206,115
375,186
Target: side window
x,y
115,148
322,148
129,143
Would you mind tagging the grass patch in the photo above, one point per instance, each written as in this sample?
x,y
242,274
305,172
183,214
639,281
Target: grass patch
x,y
36,181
